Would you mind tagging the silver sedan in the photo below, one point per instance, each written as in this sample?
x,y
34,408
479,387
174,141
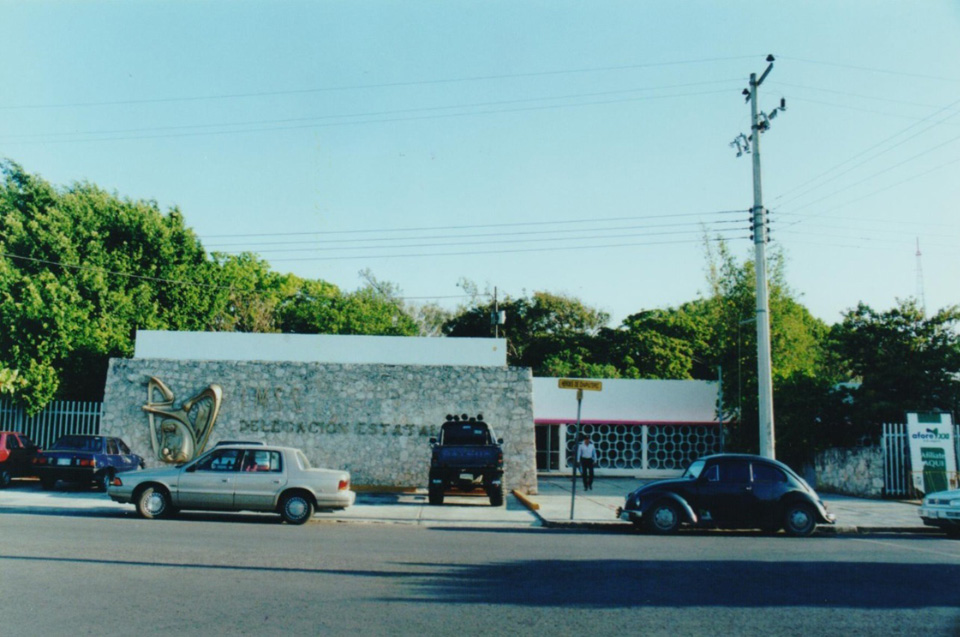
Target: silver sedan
x,y
237,478
942,510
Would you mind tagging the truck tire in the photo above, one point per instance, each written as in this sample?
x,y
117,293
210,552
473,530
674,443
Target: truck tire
x,y
496,495
435,494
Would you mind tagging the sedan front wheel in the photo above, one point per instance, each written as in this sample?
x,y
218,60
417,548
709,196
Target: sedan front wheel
x,y
153,503
663,518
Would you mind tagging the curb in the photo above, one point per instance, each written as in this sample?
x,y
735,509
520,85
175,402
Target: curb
x,y
526,501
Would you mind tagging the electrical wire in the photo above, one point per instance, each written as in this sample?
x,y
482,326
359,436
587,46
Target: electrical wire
x,y
485,235
478,78
482,243
317,118
388,120
512,224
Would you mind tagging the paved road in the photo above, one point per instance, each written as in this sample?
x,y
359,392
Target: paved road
x,y
219,574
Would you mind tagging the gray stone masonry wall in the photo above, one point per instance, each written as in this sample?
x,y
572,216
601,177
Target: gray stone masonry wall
x,y
372,420
857,472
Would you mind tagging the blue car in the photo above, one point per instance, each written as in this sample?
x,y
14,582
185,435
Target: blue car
x,y
85,460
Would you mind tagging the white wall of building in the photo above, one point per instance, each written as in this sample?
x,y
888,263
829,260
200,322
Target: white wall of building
x,y
627,401
321,348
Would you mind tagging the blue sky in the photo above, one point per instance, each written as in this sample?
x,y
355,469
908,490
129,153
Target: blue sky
x,y
578,148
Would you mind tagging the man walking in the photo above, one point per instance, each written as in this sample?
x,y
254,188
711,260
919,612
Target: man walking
x,y
586,457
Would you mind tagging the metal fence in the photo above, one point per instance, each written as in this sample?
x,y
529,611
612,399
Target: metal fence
x,y
634,450
58,419
896,459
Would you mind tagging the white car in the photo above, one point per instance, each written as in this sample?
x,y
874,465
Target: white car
x,y
237,477
942,509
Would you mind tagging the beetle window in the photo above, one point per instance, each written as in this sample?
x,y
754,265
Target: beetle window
x,y
765,473
12,442
112,447
124,449
735,472
713,474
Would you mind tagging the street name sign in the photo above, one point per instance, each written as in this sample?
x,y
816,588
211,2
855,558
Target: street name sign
x,y
578,383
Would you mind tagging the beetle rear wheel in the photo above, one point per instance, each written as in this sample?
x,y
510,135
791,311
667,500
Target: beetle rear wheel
x,y
799,520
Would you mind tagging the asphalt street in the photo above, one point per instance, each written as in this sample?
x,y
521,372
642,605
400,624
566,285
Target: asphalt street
x,y
209,574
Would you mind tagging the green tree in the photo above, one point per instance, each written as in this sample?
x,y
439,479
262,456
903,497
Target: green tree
x,y
902,361
547,332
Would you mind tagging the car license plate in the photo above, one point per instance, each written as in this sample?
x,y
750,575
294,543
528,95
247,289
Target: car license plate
x,y
63,461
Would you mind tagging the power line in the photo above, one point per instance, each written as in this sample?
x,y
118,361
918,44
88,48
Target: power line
x,y
870,69
461,253
365,114
818,177
484,235
513,224
885,188
483,243
478,78
386,120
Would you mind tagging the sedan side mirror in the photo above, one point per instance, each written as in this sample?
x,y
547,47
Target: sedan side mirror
x,y
191,468
499,441
433,441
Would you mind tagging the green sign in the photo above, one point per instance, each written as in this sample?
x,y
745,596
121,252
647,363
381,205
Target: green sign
x,y
934,469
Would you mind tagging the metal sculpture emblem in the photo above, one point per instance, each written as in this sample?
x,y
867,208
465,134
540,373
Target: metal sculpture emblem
x,y
180,434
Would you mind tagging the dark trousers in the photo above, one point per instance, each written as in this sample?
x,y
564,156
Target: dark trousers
x,y
586,466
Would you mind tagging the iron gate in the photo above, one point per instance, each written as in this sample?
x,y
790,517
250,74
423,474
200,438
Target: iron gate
x,y
58,419
896,459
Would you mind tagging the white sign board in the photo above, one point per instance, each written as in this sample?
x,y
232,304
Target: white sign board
x,y
932,451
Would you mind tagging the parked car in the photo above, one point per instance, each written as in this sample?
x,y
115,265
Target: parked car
x,y
729,491
467,456
85,459
16,456
942,510
238,477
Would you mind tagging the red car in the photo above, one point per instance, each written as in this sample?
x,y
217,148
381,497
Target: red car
x,y
16,456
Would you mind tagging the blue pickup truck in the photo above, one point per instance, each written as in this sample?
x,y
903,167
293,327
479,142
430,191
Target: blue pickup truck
x,y
466,457
85,459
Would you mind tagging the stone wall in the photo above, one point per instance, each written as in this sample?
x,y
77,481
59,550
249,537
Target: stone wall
x,y
372,420
857,472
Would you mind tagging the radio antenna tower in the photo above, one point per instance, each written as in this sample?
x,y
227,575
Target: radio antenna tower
x,y
921,297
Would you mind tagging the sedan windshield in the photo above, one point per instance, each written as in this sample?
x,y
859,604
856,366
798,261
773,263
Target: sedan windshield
x,y
693,471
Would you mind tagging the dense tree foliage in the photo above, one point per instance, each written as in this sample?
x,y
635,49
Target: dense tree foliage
x,y
901,361
81,270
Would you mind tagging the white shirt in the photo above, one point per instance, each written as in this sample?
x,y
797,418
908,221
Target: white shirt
x,y
588,451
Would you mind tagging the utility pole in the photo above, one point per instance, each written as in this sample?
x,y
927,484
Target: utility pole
x,y
760,122
497,318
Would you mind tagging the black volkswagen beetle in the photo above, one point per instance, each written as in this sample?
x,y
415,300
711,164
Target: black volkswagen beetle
x,y
731,491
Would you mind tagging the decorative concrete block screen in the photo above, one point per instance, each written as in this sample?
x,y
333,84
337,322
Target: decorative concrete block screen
x,y
372,420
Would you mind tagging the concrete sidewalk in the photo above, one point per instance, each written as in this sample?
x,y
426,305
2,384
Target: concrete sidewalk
x,y
550,508
597,508
412,508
